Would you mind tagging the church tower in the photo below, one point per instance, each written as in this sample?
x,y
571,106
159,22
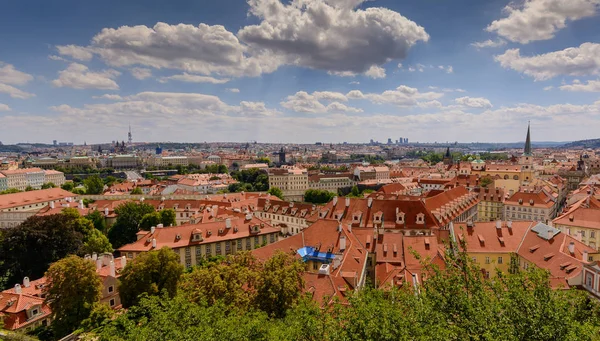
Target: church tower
x,y
526,160
448,157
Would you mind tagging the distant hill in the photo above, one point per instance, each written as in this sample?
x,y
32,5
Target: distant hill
x,y
593,143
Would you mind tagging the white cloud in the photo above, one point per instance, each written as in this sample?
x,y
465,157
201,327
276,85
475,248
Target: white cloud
x,y
399,65
331,35
403,96
473,102
234,90
590,86
14,92
57,58
186,77
140,73
548,88
354,83
76,52
574,61
111,97
4,107
375,72
311,103
488,43
78,76
540,19
12,76
256,109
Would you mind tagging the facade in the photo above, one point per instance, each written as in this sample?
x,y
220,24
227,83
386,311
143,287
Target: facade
x,y
293,182
123,161
35,177
195,242
330,182
16,207
81,161
16,178
582,220
291,217
537,206
170,161
55,177
591,278
3,182
377,173
491,204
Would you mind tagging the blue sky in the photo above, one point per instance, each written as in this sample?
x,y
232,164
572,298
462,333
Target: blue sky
x,y
299,71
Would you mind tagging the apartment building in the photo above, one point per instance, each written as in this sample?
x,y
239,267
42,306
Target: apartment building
x,y
291,217
537,206
377,173
3,182
330,182
16,178
293,182
582,220
491,204
168,161
195,242
34,177
55,177
16,207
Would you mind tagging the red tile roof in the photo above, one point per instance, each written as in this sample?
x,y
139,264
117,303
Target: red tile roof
x,y
33,197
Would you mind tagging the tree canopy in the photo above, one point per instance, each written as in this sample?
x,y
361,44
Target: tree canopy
x,y
72,288
318,196
129,216
93,185
150,273
276,192
250,180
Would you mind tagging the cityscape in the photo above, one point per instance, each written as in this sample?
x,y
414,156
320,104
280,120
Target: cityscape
x,y
300,170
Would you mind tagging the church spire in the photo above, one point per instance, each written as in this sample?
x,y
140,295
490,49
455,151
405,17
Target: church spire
x,y
527,150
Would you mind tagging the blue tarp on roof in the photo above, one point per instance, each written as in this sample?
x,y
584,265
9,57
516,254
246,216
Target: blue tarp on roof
x,y
309,253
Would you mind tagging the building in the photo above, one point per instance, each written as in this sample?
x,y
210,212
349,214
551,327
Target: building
x,y
582,220
537,206
55,177
330,182
195,242
125,161
3,182
293,182
290,217
16,178
35,177
491,204
21,311
591,278
377,173
169,161
16,207
81,162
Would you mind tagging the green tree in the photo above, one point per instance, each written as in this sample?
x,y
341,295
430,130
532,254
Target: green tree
x,y
168,217
137,190
276,192
28,189
39,241
93,185
150,273
98,220
109,180
485,181
10,191
96,241
67,186
48,185
149,220
129,216
318,196
100,315
72,288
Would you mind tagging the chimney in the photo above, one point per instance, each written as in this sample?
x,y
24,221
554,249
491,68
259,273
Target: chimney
x,y
26,282
106,258
228,223
572,248
98,264
584,257
509,224
342,242
106,211
152,229
123,262
498,224
369,202
81,204
350,228
17,288
154,243
113,273
335,200
249,216
94,256
347,202
340,227
51,204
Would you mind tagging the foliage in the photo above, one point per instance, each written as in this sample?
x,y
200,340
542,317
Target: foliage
x,y
100,315
276,192
68,186
110,180
485,181
79,191
93,185
149,220
10,191
214,178
48,185
168,217
150,273
72,288
29,189
29,249
318,196
96,242
250,180
137,190
129,216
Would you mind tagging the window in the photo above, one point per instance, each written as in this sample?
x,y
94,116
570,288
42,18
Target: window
x,y
129,255
315,266
208,250
256,242
582,233
592,234
34,312
487,260
239,244
218,250
227,247
112,302
500,260
111,289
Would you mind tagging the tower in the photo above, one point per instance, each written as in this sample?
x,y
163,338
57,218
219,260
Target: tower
x,y
129,137
526,160
448,157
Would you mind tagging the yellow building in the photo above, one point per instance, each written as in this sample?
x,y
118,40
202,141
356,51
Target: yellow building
x,y
582,220
491,201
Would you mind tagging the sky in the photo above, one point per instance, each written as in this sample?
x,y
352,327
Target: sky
x,y
299,71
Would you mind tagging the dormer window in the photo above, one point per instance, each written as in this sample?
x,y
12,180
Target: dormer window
x,y
161,207
254,229
420,218
400,218
356,217
377,217
197,235
323,214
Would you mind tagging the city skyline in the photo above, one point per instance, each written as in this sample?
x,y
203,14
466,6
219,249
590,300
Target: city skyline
x,y
330,71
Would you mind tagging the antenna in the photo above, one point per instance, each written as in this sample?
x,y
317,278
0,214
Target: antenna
x,y
129,137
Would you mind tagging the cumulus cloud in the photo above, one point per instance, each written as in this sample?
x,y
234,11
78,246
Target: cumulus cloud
x,y
548,88
540,19
402,96
4,107
111,97
14,92
375,72
302,101
488,43
12,76
590,86
80,53
78,76
256,109
234,90
573,61
186,77
331,35
140,73
473,102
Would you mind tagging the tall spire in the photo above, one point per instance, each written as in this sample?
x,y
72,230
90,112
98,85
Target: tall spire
x,y
448,152
527,150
